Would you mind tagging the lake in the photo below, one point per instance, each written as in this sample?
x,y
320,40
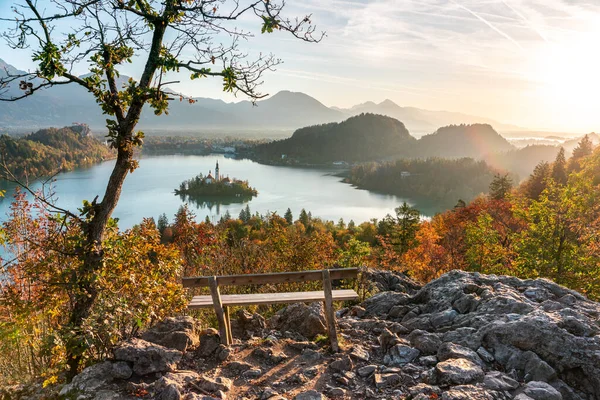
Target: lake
x,y
148,192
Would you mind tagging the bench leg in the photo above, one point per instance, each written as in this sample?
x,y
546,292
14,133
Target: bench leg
x,y
329,314
228,322
216,297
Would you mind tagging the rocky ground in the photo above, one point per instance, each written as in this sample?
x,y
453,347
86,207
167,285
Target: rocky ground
x,y
462,336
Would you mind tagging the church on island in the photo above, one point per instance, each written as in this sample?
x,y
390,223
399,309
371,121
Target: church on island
x,y
217,178
215,185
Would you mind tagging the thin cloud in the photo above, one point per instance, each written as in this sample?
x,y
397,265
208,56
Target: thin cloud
x,y
492,26
526,20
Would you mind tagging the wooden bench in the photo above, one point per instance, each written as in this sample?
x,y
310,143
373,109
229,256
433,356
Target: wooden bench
x,y
221,303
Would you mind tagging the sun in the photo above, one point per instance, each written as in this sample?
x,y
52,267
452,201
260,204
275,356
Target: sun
x,y
567,77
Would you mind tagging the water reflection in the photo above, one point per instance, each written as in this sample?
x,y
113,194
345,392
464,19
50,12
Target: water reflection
x,y
213,202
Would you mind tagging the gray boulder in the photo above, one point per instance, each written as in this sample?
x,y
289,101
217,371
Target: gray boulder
x,y
384,281
99,381
178,333
427,343
309,395
147,357
246,325
209,342
541,391
309,321
470,392
496,380
400,355
451,350
541,330
457,371
382,303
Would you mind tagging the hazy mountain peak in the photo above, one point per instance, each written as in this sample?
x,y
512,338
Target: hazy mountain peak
x,y
388,103
364,105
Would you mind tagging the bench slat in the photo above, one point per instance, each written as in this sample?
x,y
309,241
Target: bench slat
x,y
279,277
271,298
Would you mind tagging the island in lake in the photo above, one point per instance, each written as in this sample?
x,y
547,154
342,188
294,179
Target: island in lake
x,y
215,186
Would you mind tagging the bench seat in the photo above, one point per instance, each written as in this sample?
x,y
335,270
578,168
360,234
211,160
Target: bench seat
x,y
271,298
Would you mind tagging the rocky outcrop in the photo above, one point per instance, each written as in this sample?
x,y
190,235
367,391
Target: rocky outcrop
x,y
147,358
308,321
246,325
178,333
384,281
462,336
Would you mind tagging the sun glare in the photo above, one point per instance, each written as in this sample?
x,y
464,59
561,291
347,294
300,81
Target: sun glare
x,y
569,77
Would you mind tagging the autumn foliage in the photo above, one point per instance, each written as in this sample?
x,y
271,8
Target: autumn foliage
x,y
546,227
138,286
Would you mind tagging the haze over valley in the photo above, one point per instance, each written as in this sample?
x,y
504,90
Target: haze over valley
x,y
276,116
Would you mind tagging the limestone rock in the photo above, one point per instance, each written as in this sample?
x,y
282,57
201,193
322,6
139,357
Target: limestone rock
x,y
178,333
147,357
343,364
215,385
541,391
427,343
387,380
382,303
359,353
269,356
309,395
308,321
450,350
96,380
252,373
246,325
469,392
366,370
457,371
311,355
384,281
496,380
209,342
399,355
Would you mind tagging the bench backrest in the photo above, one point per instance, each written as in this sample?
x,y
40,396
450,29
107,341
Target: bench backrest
x,y
278,277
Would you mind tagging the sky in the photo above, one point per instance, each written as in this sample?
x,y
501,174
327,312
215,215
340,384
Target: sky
x,y
532,63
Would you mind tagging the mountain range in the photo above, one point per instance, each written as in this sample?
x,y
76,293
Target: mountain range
x,y
285,111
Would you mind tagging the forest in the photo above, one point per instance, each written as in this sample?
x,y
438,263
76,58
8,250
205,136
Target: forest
x,y
365,137
52,150
436,180
545,227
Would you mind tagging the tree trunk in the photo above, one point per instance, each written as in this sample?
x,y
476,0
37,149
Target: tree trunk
x,y
93,259
92,255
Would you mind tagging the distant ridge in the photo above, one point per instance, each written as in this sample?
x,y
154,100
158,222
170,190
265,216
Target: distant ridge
x,y
364,137
285,110
475,140
420,121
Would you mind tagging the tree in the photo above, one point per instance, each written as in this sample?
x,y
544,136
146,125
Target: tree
x,y
248,213
288,216
354,255
500,186
584,148
304,218
163,223
559,170
460,204
408,219
226,217
107,34
245,214
537,181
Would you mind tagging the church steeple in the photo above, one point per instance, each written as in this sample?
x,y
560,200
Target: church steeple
x,y
217,175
